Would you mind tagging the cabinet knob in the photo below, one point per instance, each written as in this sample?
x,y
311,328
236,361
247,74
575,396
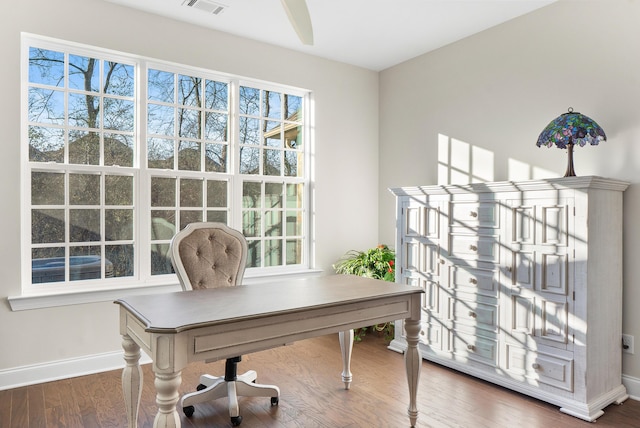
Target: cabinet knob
x,y
441,261
472,314
473,280
535,366
471,347
473,214
509,269
473,248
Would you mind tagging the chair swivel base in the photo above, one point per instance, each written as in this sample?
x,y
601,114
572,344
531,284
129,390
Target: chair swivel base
x,y
213,387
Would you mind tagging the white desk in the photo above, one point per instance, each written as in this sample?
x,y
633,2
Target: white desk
x,y
175,329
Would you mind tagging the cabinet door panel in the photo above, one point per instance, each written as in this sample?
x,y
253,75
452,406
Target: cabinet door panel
x,y
516,363
431,295
430,259
553,273
433,335
432,222
522,315
551,322
413,221
519,320
411,252
523,225
523,269
554,225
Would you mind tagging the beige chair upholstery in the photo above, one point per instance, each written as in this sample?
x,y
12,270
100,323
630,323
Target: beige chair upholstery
x,y
212,255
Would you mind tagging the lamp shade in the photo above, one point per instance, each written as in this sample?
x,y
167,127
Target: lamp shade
x,y
569,129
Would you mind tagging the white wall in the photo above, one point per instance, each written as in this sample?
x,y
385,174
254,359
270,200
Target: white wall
x,y
494,92
346,136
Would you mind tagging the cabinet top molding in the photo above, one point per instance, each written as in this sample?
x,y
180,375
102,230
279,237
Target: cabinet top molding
x,y
586,182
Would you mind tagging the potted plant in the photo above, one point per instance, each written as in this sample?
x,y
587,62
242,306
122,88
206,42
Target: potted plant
x,y
378,263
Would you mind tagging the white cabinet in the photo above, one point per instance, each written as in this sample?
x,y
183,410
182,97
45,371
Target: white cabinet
x,y
523,284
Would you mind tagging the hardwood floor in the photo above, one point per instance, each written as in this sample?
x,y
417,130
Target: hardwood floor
x,y
312,395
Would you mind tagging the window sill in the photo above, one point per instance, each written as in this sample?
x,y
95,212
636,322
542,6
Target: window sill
x,y
38,301
49,300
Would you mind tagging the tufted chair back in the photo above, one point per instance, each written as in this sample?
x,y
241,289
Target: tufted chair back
x,y
208,255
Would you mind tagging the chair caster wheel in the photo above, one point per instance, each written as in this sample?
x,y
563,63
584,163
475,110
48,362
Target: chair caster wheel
x,y
275,401
201,387
188,411
236,420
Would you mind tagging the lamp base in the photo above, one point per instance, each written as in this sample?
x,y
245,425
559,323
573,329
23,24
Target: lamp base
x,y
570,172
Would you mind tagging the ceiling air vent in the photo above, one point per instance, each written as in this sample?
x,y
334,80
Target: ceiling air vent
x,y
206,5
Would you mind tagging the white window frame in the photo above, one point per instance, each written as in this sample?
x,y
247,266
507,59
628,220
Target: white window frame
x,y
83,291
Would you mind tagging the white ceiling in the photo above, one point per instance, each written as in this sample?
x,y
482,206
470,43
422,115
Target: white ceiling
x,y
374,34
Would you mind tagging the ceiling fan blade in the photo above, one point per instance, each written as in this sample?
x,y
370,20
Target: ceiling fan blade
x,y
300,20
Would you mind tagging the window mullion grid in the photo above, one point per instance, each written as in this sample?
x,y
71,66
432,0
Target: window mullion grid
x,y
233,166
176,125
308,181
141,173
103,218
103,174
102,105
142,178
176,150
202,113
203,147
261,177
65,88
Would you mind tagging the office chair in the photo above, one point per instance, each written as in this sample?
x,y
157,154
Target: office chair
x,y
212,255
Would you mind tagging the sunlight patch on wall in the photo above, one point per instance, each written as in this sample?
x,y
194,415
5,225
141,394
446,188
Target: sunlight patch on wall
x,y
520,171
461,163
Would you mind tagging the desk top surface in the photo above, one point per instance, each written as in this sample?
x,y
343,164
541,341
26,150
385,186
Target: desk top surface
x,y
185,310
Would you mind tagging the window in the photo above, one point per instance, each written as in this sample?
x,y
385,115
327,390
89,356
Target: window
x,y
120,152
270,140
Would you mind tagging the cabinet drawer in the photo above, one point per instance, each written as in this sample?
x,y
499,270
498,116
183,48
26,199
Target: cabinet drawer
x,y
474,214
540,368
477,348
481,315
474,280
483,248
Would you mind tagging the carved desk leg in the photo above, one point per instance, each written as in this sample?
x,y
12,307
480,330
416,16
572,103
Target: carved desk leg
x,y
346,346
167,396
131,379
413,362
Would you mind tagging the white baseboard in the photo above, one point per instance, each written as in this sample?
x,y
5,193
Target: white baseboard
x,y
633,386
63,369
